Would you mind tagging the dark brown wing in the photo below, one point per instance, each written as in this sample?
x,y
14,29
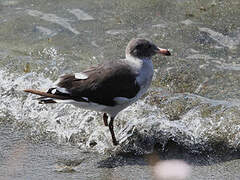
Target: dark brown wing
x,y
112,79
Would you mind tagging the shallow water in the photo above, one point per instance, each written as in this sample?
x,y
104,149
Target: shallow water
x,y
191,111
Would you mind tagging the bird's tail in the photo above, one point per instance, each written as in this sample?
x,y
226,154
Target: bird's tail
x,y
46,97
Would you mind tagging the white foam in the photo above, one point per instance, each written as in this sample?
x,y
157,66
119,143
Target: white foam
x,y
147,119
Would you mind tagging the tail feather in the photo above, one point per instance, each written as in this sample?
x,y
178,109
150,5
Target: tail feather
x,y
48,97
45,94
46,101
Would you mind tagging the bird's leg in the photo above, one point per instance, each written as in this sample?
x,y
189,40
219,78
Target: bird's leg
x,y
105,119
115,142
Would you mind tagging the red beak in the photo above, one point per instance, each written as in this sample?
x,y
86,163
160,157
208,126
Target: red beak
x,y
165,52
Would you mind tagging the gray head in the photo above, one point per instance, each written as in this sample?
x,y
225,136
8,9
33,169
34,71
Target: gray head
x,y
142,48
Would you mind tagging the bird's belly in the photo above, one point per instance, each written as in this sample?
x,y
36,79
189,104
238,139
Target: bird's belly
x,y
87,105
111,110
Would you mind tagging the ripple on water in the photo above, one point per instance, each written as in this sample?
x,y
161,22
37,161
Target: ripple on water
x,y
226,41
53,18
81,15
174,119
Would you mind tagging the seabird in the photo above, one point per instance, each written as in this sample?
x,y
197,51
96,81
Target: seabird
x,y
109,87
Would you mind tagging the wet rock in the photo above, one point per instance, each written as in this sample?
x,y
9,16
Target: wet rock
x,y
193,122
182,78
70,162
65,169
174,107
68,165
92,143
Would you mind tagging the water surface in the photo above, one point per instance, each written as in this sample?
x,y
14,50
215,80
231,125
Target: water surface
x,y
191,111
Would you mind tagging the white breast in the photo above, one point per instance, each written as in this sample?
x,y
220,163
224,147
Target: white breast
x,y
144,68
145,73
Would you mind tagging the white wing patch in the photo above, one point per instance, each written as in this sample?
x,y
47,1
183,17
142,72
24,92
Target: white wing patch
x,y
53,91
62,90
85,98
81,75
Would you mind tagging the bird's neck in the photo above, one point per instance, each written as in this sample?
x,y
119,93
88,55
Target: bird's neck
x,y
138,63
144,70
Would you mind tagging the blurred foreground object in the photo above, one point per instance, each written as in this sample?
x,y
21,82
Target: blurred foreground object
x,y
171,170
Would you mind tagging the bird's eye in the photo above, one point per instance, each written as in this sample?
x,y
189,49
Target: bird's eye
x,y
138,47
